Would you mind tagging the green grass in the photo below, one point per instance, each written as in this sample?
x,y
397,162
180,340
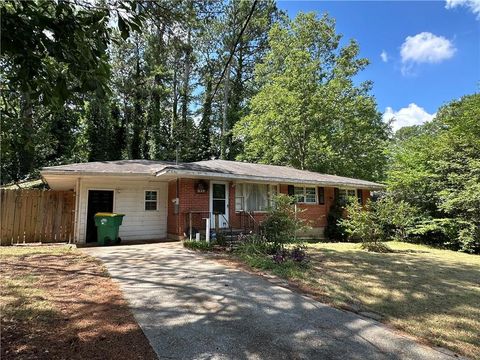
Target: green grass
x,y
288,269
430,293
198,245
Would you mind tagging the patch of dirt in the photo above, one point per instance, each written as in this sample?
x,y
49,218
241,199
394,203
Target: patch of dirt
x,y
89,317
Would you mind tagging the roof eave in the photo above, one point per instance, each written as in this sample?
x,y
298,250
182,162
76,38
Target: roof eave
x,y
372,186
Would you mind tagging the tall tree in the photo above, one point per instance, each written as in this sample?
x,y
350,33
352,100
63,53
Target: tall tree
x,y
51,52
308,112
436,167
219,35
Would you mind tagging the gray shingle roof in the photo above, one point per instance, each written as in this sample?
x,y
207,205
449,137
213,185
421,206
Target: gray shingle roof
x,y
137,167
210,168
286,174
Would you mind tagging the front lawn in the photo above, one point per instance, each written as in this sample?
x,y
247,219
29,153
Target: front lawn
x,y
431,294
57,303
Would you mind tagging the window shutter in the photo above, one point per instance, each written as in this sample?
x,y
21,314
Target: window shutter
x,y
360,196
321,195
335,194
291,190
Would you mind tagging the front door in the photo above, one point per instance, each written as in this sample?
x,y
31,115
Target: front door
x,y
98,201
219,204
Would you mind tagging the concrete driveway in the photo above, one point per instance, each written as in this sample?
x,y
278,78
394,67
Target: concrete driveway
x,y
191,307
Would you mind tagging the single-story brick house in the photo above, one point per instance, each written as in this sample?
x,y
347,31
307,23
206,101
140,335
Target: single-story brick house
x,y
163,200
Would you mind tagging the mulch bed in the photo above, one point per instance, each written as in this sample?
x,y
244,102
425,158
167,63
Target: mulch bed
x,y
90,318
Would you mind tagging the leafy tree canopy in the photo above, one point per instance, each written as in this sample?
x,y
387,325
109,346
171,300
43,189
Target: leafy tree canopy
x,y
308,112
53,49
436,167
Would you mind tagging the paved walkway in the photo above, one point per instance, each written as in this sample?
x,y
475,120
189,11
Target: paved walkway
x,y
191,307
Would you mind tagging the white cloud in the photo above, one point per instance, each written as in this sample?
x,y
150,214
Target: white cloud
x,y
407,116
473,5
384,56
426,48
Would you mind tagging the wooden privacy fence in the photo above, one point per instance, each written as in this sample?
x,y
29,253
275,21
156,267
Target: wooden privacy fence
x,y
29,216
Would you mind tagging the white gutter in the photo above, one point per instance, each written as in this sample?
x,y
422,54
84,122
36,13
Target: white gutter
x,y
371,186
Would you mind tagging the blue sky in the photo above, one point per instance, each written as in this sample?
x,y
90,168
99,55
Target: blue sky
x,y
431,50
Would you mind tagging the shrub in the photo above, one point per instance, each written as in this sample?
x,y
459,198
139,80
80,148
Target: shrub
x,y
198,245
296,254
379,247
381,220
334,230
284,262
220,239
256,247
440,232
299,254
362,224
282,222
395,217
469,237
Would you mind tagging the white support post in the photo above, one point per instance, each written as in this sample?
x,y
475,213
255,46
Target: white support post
x,y
295,232
190,224
207,230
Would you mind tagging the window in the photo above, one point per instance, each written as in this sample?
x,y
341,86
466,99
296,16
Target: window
x,y
344,194
305,195
239,199
219,198
150,200
299,194
253,197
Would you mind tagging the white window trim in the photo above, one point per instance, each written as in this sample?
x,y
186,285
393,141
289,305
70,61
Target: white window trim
x,y
269,192
305,194
348,188
150,201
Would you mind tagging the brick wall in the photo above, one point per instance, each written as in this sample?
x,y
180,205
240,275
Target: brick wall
x,y
172,219
191,201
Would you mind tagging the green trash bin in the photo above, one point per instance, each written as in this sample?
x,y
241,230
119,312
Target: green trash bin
x,y
108,225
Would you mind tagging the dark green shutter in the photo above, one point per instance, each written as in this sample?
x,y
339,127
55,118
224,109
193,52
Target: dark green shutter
x,y
321,195
360,196
335,194
291,190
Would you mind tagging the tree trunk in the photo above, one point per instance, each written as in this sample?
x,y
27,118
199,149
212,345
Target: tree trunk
x,y
173,125
137,126
206,121
223,130
25,146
